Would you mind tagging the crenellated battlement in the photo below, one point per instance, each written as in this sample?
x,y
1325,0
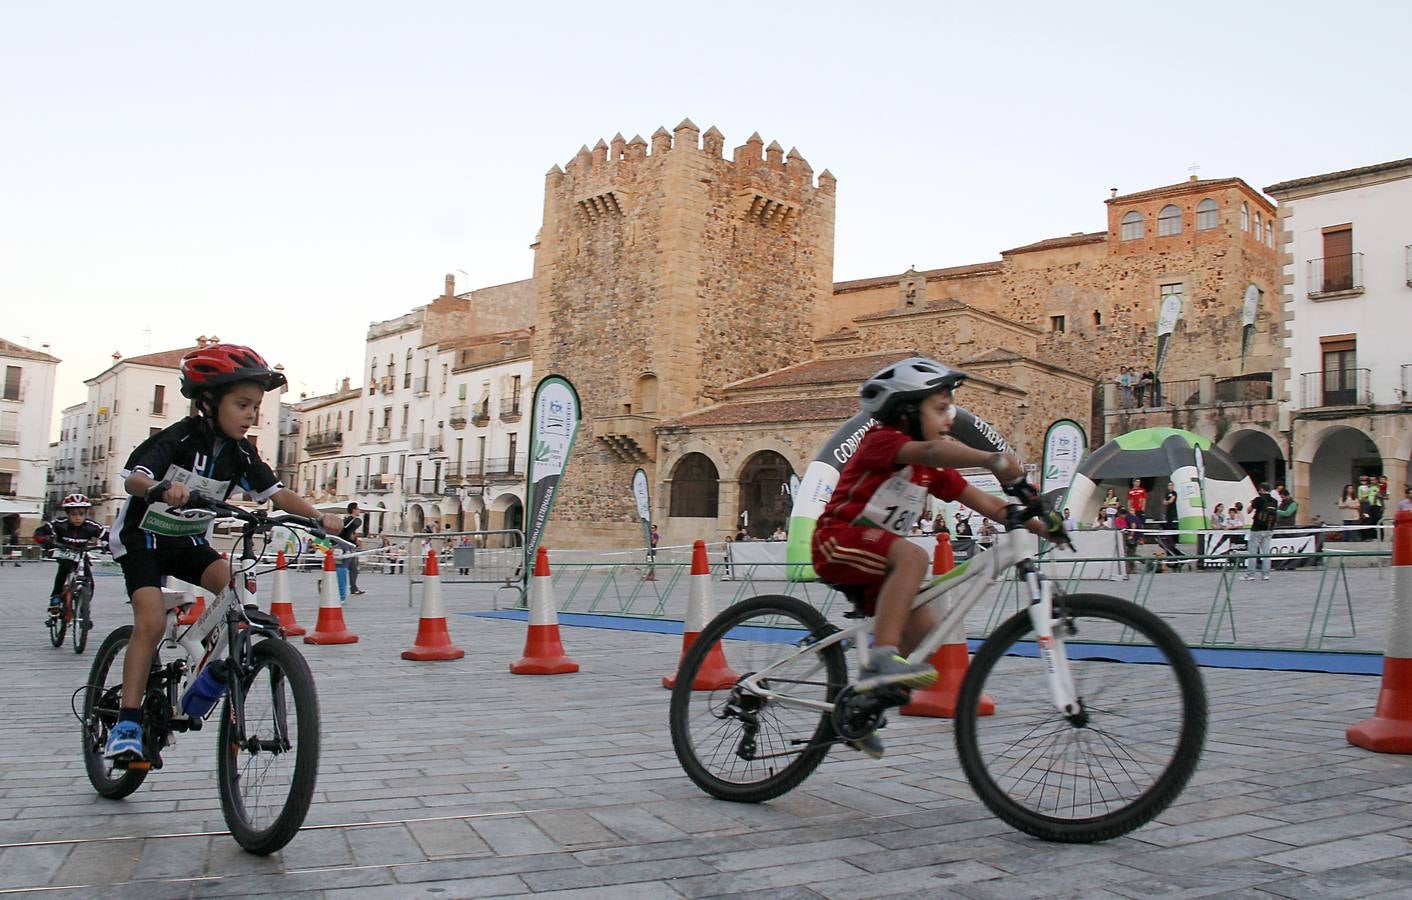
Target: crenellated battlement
x,y
619,160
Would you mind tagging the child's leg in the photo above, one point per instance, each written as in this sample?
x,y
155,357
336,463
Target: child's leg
x,y
149,617
919,624
216,577
906,567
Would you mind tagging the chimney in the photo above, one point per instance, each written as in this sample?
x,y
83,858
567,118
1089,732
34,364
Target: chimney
x,y
450,285
201,341
345,383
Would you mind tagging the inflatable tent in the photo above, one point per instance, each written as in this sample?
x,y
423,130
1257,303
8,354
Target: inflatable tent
x,y
1202,474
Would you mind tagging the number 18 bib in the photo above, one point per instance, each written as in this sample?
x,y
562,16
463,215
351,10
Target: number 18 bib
x,y
896,504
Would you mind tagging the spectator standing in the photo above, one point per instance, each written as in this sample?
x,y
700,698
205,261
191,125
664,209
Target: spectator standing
x,y
927,524
1137,502
1219,519
1125,386
1405,504
1110,503
1169,505
1263,511
1069,523
1377,500
987,537
352,523
1145,393
1349,512
1235,519
1288,510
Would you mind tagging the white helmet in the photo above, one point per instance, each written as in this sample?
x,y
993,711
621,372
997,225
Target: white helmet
x,y
910,379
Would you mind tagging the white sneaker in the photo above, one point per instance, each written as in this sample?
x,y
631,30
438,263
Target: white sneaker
x,y
1264,577
1247,577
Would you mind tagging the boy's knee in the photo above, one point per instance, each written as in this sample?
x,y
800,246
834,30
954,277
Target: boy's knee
x,y
907,555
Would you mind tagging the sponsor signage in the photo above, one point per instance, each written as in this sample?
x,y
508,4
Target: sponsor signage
x,y
554,423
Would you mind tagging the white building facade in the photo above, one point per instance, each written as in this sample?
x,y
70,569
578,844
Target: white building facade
x,y
26,412
1347,255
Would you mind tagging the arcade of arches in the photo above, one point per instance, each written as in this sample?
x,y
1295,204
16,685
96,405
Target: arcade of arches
x,y
760,504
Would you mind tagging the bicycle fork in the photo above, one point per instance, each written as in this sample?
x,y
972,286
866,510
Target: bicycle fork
x,y
1051,651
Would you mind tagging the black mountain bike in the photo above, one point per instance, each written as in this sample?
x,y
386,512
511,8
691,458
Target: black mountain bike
x,y
267,758
77,597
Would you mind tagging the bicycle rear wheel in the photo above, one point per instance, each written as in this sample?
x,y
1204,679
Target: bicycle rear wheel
x,y
101,700
267,782
58,625
735,744
82,600
1111,768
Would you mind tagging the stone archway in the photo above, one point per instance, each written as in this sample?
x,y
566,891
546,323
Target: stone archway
x,y
1343,453
764,493
695,487
1258,453
416,518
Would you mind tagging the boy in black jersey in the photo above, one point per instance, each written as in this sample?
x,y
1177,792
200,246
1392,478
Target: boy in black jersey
x,y
75,531
205,454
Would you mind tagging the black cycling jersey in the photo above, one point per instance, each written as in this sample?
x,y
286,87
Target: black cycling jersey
x,y
59,532
190,453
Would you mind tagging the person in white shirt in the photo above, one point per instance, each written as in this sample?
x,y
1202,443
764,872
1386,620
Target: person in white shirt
x,y
1069,522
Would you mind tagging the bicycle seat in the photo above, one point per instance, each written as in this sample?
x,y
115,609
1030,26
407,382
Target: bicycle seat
x,y
861,597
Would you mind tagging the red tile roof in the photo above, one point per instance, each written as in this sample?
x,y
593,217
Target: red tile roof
x,y
766,412
20,351
1182,188
861,284
842,369
1311,180
944,305
1072,240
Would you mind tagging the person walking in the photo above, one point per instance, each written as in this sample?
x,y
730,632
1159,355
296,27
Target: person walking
x,y
1263,511
349,532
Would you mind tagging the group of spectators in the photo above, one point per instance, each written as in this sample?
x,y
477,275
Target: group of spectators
x,y
1361,508
1138,389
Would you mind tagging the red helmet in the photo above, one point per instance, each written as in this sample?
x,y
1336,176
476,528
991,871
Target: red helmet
x,y
217,365
76,501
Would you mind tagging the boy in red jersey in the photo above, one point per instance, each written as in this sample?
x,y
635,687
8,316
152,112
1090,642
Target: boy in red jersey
x,y
881,492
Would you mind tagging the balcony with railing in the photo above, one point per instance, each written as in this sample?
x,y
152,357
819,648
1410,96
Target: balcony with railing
x,y
510,409
458,416
1336,387
481,415
323,441
9,436
421,387
425,487
375,484
384,434
1333,277
434,443
501,467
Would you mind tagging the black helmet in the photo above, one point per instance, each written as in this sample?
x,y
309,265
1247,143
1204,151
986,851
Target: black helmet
x,y
910,379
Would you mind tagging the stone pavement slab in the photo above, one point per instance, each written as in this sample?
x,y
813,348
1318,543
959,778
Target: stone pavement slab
x,y
459,779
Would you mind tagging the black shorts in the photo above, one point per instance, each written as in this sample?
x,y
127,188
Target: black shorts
x,y
144,567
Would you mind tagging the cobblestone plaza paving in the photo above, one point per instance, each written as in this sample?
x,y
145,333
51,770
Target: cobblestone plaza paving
x,y
460,780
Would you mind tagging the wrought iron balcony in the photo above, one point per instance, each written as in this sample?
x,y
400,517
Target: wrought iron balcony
x,y
419,387
320,441
510,410
1335,276
502,466
458,416
1337,387
482,414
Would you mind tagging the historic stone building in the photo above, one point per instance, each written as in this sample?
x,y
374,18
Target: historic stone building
x,y
664,273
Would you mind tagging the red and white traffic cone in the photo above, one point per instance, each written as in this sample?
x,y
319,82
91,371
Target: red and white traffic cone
x,y
280,606
714,672
950,659
1390,728
544,652
330,629
195,601
433,640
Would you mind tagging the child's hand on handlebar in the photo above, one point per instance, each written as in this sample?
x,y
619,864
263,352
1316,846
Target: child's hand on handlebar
x,y
176,494
1006,467
332,523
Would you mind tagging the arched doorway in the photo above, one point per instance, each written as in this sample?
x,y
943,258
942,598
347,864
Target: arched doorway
x,y
416,519
1258,454
696,488
507,513
1344,454
764,493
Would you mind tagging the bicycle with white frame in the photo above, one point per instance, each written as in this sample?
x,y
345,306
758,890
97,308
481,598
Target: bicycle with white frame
x,y
267,756
1080,748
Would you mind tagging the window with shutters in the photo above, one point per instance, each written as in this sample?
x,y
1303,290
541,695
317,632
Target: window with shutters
x,y
12,382
1339,272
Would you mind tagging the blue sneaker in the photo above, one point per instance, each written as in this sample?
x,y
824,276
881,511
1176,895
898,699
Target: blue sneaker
x,y
124,740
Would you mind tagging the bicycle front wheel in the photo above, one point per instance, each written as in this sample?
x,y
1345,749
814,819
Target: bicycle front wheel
x,y
1107,770
741,746
82,600
58,624
267,777
102,699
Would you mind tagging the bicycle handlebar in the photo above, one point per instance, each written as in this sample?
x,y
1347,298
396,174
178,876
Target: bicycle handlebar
x,y
263,521
1031,505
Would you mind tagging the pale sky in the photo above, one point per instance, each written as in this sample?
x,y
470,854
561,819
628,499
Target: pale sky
x,y
282,174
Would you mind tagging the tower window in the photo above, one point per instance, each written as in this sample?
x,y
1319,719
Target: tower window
x,y
1169,220
1132,226
1056,323
1097,317
1208,215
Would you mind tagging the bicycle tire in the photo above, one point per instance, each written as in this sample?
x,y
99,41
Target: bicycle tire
x,y
247,825
1104,617
58,625
80,624
100,703
774,782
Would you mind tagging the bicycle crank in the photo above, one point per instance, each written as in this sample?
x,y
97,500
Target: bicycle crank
x,y
856,715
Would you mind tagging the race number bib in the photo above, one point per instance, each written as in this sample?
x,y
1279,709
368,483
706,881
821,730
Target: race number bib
x,y
209,488
70,555
896,504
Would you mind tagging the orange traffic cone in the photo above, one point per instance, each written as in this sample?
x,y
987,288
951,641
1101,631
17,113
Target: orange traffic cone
x,y
329,629
714,672
544,653
280,606
433,640
195,601
950,659
1390,728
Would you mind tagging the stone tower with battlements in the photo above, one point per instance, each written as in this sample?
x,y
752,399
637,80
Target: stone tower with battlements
x,y
663,272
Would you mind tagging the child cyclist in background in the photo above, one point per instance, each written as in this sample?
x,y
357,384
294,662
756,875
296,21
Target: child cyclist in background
x,y
881,491
76,531
206,454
